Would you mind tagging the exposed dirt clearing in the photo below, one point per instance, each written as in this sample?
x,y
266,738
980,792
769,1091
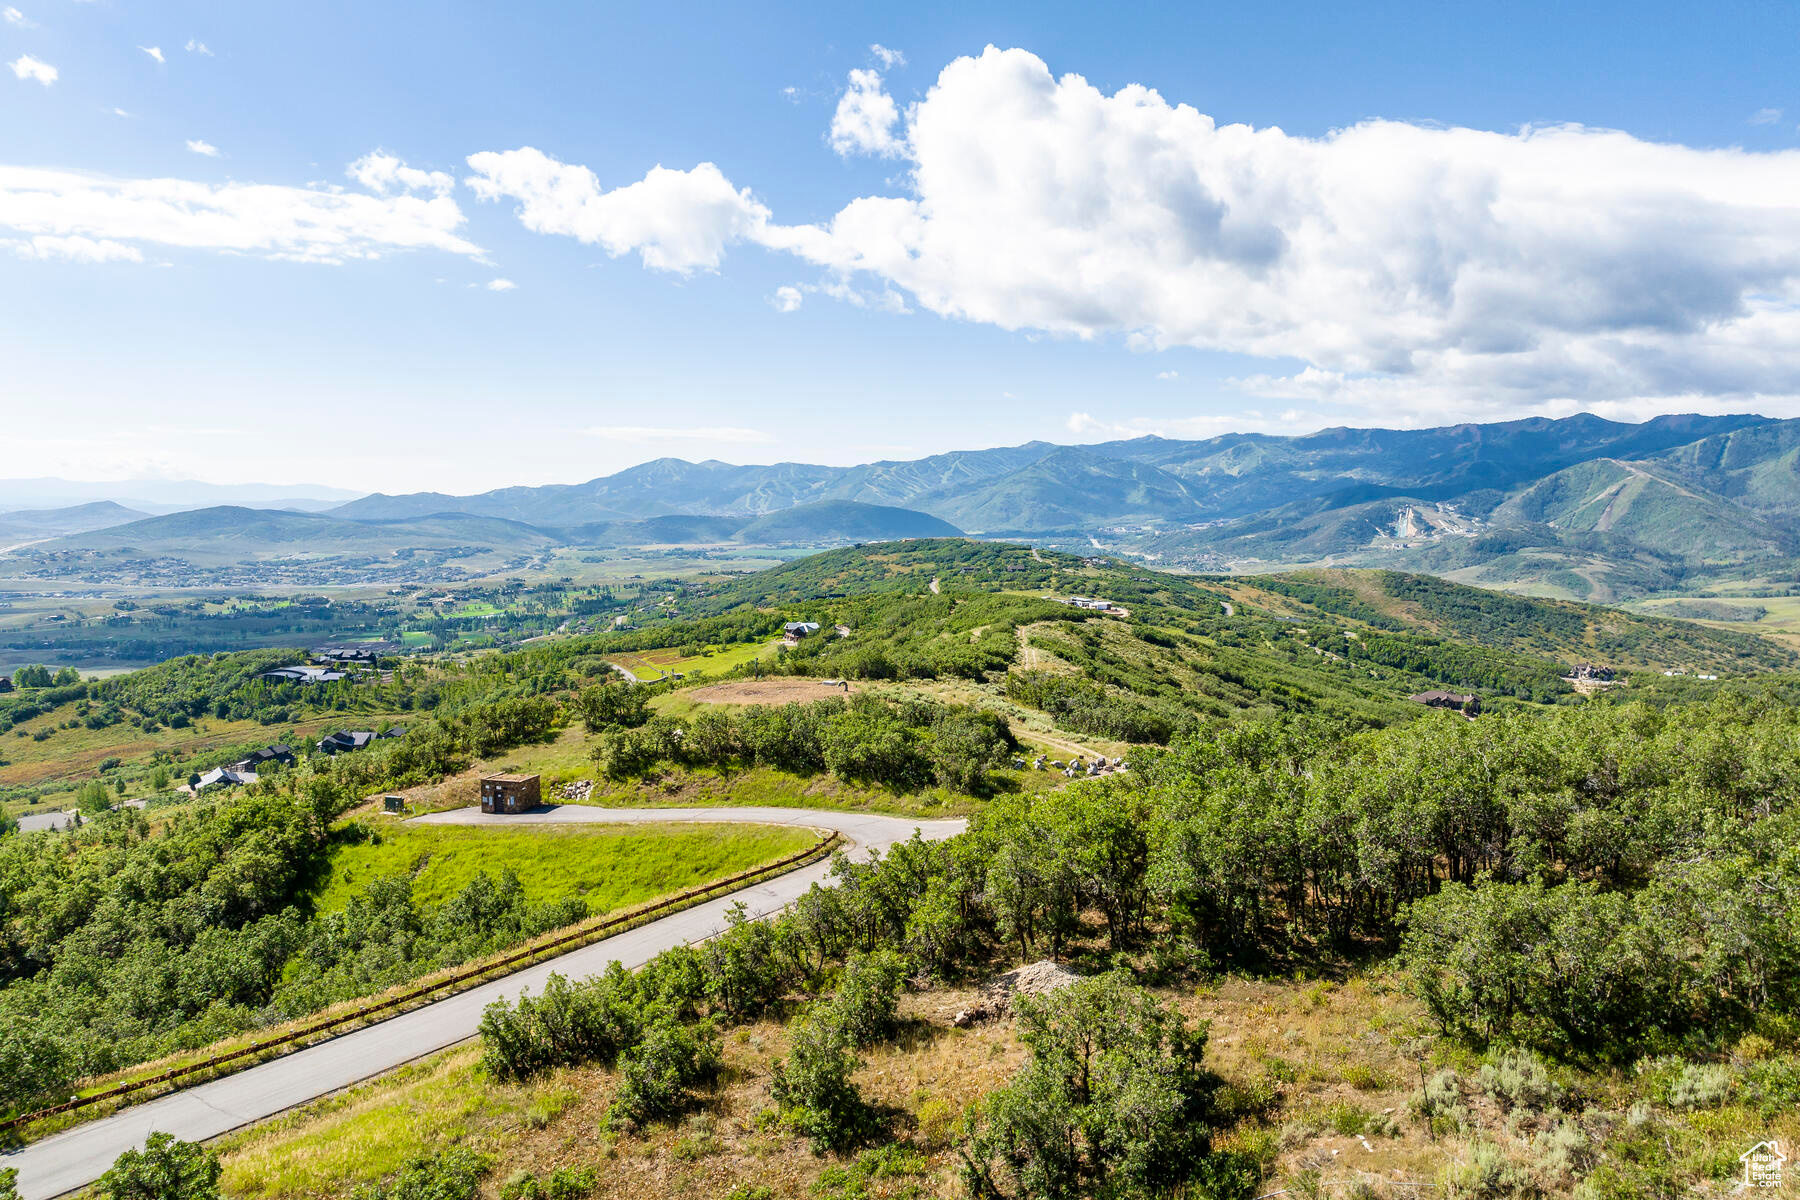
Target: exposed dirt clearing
x,y
767,691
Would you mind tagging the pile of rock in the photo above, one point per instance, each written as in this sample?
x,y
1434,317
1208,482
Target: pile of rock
x,y
579,790
1035,979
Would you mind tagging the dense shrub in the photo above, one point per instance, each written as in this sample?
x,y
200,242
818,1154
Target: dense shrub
x,y
165,1169
1112,1100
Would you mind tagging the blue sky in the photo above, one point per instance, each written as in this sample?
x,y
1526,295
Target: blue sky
x,y
1040,256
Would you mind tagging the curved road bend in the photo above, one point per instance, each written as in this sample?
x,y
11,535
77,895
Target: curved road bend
x,y
78,1156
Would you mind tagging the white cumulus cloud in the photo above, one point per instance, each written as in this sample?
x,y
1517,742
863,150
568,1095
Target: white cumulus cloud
x,y
306,224
203,147
677,221
866,118
787,299
1439,270
154,52
27,67
501,285
384,173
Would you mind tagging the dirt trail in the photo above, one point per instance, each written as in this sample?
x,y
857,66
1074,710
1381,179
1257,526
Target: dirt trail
x,y
934,586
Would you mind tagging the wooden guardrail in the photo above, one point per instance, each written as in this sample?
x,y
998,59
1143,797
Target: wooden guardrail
x,y
452,983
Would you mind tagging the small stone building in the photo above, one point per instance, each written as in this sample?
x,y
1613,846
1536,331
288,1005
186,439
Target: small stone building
x,y
509,793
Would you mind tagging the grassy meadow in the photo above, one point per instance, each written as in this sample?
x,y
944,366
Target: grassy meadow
x,y
613,866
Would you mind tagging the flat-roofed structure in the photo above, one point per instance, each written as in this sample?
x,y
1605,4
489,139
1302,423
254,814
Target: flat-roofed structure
x,y
509,793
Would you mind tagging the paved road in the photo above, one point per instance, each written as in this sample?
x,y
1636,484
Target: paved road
x,y
78,1156
39,822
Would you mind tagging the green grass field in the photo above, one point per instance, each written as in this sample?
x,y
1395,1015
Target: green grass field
x,y
614,866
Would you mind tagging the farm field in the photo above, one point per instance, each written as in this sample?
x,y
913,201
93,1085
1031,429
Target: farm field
x,y
611,866
653,665
1780,623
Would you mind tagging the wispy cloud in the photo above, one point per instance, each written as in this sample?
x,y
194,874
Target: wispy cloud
x,y
501,285
27,67
154,52
1243,420
119,112
886,57
14,17
1765,116
203,147
1168,375
198,47
724,434
272,220
74,249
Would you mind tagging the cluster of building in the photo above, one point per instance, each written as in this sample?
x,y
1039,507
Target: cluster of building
x,y
1076,768
1092,603
277,754
331,656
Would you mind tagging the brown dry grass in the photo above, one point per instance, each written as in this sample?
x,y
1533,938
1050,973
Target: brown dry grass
x,y
1323,1044
765,691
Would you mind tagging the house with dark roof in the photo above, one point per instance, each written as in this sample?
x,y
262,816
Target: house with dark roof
x,y
1466,703
277,755
346,740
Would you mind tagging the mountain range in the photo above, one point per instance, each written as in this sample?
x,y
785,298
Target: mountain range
x,y
1578,506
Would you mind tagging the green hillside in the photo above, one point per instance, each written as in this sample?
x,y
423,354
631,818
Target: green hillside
x,y
843,521
1348,643
1757,467
229,533
1635,503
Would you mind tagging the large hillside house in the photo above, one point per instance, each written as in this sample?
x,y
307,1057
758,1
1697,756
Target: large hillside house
x,y
222,777
345,740
275,755
1467,703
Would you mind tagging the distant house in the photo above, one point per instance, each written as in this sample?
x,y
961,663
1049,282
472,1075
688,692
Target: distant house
x,y
303,675
1466,703
275,755
509,793
1592,672
344,741
357,653
5,683
223,777
800,629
